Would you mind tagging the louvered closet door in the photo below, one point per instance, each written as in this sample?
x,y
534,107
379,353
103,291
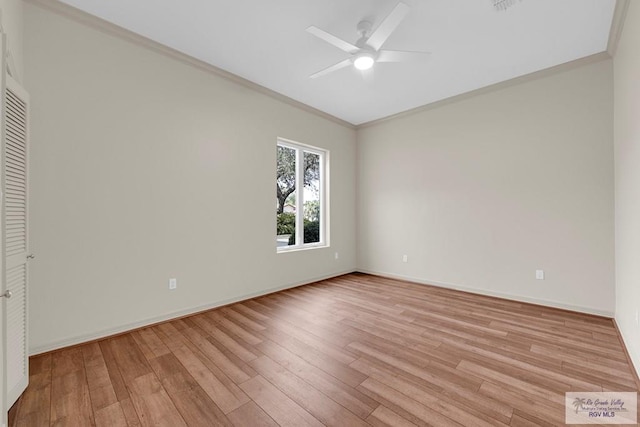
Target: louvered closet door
x,y
15,243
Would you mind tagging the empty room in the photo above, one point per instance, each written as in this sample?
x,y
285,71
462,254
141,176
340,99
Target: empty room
x,y
454,238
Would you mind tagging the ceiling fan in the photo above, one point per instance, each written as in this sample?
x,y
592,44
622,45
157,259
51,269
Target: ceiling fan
x,y
366,51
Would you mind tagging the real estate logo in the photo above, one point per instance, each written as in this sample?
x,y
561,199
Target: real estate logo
x,y
601,408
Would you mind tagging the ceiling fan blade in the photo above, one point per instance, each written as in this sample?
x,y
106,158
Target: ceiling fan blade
x,y
401,56
331,69
331,39
384,30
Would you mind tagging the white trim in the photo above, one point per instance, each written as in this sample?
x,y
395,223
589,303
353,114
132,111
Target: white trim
x,y
299,240
323,156
185,312
324,199
289,143
70,12
617,25
3,304
304,247
635,358
484,292
541,74
173,315
106,27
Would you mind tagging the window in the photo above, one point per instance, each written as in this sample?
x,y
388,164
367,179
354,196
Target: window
x,y
300,196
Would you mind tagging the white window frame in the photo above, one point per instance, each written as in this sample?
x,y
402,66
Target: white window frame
x,y
323,195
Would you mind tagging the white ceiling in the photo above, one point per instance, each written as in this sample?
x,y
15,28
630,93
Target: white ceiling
x,y
472,45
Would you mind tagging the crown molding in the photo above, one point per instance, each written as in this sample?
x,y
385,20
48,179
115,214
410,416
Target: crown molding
x,y
617,25
101,25
106,27
598,57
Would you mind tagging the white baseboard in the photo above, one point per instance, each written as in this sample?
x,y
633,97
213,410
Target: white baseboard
x,y
181,313
169,316
512,297
634,359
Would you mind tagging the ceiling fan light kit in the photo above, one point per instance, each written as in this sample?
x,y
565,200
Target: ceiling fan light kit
x,y
366,52
364,61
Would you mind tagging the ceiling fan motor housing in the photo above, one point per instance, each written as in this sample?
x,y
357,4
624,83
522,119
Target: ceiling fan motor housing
x,y
364,28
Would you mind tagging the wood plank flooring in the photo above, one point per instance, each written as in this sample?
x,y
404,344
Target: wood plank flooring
x,y
350,351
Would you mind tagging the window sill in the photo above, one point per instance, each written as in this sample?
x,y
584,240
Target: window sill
x,y
287,249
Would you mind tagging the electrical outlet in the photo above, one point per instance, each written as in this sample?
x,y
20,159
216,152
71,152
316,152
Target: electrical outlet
x,y
539,274
637,318
336,256
173,283
405,258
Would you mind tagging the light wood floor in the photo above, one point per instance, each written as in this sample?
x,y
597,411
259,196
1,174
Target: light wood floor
x,y
354,350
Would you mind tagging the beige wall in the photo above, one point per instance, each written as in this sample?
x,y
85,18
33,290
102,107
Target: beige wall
x,y
12,24
144,168
481,192
627,161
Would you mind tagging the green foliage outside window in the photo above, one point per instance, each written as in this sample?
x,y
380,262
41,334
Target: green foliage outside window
x,y
286,223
